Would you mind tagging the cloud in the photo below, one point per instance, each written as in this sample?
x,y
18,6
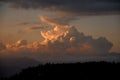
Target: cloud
x,y
63,44
76,7
68,37
68,10
28,23
21,43
36,28
24,23
61,21
18,44
71,39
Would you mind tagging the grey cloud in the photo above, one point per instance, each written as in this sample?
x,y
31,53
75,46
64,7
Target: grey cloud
x,y
77,7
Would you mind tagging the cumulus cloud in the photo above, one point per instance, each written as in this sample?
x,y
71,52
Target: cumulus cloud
x,y
68,37
72,40
63,44
19,43
77,7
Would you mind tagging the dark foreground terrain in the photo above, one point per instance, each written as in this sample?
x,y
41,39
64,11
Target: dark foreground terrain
x,y
70,71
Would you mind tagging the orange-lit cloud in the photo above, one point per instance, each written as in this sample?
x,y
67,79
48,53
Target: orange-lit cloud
x,y
57,21
17,44
62,43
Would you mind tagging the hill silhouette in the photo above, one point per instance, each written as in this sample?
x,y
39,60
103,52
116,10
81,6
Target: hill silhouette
x,y
10,66
74,71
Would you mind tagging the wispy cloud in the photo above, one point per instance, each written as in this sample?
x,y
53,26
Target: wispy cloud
x,y
55,21
28,23
36,28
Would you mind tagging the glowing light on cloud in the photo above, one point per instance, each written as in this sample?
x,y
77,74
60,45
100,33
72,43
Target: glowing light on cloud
x,y
48,21
57,21
61,42
64,38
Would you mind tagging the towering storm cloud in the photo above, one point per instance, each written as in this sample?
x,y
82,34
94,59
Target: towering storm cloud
x,y
63,43
67,38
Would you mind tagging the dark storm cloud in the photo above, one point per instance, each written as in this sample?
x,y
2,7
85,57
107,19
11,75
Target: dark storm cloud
x,y
77,7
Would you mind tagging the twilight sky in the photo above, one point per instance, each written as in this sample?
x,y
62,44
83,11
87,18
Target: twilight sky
x,y
82,27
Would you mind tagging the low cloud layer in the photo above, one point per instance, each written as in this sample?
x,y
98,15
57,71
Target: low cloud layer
x,y
77,7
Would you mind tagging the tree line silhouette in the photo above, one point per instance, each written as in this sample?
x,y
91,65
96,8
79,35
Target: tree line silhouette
x,y
73,71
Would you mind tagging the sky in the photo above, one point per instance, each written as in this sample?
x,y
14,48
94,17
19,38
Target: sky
x,y
58,30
